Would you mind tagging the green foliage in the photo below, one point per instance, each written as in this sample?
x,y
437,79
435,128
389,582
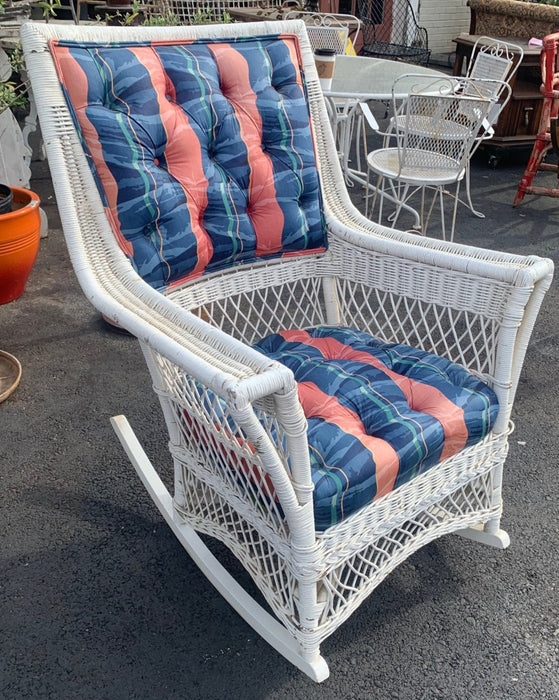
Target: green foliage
x,y
207,16
168,19
11,95
14,94
17,60
49,7
136,16
202,16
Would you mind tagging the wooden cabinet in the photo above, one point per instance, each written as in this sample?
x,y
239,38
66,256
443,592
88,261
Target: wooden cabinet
x,y
345,7
518,122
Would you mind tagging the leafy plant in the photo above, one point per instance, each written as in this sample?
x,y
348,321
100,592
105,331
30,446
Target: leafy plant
x,y
168,19
49,7
13,94
206,16
135,16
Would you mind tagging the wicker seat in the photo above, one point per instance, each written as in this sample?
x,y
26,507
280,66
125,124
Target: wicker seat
x,y
337,394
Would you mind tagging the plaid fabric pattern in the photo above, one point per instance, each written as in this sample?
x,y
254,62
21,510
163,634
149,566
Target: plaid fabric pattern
x,y
378,414
202,151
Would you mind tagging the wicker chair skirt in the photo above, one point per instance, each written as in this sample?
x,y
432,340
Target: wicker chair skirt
x,y
350,560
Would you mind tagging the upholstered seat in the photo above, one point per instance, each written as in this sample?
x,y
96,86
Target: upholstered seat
x,y
378,414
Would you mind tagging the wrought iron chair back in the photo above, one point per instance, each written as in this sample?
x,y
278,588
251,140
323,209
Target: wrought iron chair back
x,y
391,30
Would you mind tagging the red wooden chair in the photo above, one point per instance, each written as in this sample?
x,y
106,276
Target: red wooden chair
x,y
546,140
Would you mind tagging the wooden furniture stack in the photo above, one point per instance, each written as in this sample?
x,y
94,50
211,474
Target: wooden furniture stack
x,y
518,22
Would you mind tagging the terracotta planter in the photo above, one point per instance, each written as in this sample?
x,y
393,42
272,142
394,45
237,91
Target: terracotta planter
x,y
20,231
6,199
513,18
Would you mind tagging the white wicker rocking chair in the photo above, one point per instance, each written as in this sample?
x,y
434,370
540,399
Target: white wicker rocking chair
x,y
240,441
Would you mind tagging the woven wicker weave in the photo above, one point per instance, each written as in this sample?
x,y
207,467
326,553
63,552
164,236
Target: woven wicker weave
x,y
473,306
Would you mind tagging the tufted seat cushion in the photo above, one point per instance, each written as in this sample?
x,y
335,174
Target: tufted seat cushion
x,y
202,151
378,414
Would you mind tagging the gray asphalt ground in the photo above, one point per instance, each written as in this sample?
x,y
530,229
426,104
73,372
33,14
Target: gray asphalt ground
x,y
98,600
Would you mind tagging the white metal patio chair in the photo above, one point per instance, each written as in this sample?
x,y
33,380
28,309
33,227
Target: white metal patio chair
x,y
496,91
490,73
328,19
204,209
435,131
493,59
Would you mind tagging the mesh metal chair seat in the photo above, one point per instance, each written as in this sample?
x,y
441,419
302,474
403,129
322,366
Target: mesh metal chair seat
x,y
390,50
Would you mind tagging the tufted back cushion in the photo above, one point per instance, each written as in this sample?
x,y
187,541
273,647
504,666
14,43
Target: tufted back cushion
x,y
202,151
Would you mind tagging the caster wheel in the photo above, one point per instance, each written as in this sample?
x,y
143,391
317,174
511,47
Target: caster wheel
x,y
493,162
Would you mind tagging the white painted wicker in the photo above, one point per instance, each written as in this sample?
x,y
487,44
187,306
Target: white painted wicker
x,y
190,11
476,307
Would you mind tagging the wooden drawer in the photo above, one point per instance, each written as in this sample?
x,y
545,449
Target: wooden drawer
x,y
519,120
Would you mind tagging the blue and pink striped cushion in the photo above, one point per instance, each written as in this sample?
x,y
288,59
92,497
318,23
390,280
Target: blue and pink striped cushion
x,y
204,158
202,151
378,415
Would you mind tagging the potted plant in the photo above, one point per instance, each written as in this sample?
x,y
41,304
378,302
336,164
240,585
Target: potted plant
x,y
20,231
20,219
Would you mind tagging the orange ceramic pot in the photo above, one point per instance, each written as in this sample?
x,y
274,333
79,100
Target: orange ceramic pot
x,y
20,231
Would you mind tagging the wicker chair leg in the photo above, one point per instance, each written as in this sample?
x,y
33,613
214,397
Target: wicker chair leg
x,y
483,533
261,621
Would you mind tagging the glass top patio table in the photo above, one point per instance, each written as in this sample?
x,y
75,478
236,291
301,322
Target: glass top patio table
x,y
372,78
